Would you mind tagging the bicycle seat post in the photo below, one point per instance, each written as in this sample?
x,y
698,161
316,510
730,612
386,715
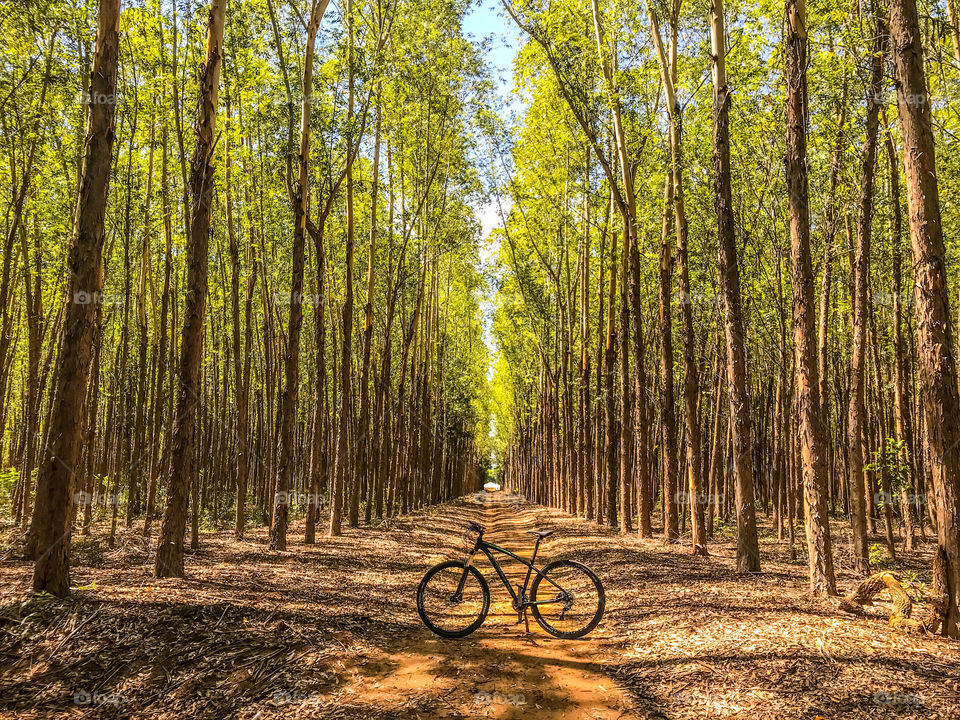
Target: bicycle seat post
x,y
536,548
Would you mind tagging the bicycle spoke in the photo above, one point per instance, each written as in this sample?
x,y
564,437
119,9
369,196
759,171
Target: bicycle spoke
x,y
452,601
569,600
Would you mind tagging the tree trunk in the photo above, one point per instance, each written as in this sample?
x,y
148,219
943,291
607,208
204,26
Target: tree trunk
x,y
901,391
609,360
586,403
346,401
671,524
856,413
169,562
364,443
813,444
748,551
55,478
301,206
938,372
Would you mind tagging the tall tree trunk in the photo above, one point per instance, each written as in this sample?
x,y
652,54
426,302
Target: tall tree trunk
x,y
938,370
55,478
901,391
812,433
586,404
626,406
241,350
829,233
364,468
169,562
856,412
346,354
628,211
609,360
301,207
33,296
668,74
748,550
142,453
668,441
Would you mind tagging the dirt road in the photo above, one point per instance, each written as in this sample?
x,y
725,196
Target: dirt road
x,y
331,631
502,670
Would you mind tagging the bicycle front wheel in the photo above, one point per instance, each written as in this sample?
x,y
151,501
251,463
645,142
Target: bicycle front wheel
x,y
453,599
569,599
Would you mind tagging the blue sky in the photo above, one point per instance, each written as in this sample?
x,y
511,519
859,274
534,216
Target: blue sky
x,y
488,20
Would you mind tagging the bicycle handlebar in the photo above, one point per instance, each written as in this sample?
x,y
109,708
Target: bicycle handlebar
x,y
475,527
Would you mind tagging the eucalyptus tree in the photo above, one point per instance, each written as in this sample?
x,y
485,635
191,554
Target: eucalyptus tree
x,y
169,562
811,428
53,514
937,366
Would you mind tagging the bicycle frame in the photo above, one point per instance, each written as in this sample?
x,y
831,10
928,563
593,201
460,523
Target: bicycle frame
x,y
520,602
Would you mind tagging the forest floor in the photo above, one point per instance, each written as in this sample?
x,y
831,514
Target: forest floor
x,y
331,631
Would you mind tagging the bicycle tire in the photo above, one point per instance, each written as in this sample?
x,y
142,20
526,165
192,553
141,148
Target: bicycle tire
x,y
485,608
545,623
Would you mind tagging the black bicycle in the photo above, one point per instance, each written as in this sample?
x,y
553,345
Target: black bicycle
x,y
566,597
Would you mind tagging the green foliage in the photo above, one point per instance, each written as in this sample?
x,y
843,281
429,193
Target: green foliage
x,y
891,458
8,480
880,557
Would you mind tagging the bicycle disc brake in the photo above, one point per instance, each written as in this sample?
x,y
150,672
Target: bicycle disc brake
x,y
520,604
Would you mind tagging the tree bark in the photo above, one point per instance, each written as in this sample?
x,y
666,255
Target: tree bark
x,y
364,443
169,562
748,551
301,208
813,444
346,354
671,523
856,412
55,478
938,372
901,391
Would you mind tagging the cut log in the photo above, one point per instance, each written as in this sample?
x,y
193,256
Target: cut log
x,y
900,617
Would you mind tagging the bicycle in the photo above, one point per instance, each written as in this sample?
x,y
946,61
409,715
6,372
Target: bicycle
x,y
453,598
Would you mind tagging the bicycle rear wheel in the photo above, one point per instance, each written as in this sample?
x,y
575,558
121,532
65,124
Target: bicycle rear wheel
x,y
571,598
453,599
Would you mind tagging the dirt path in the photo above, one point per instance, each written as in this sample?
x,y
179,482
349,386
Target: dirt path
x,y
331,631
503,671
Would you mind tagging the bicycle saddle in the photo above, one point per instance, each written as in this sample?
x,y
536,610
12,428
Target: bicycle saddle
x,y
541,533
